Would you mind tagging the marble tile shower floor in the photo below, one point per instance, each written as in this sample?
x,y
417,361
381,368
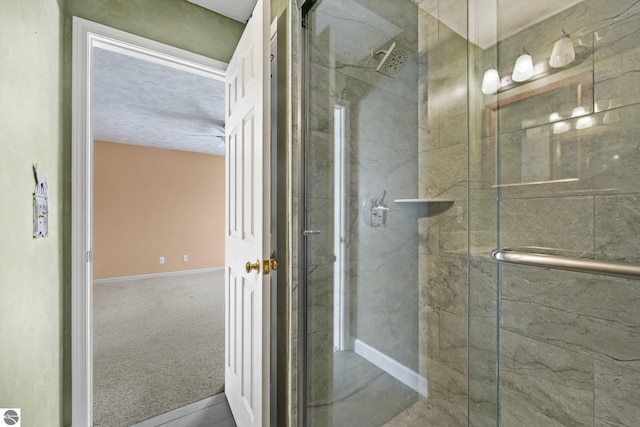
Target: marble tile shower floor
x,y
363,394
430,412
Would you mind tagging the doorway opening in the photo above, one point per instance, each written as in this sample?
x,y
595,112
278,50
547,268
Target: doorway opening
x,y
94,42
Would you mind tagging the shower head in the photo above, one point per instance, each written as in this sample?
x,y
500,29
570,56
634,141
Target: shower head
x,y
393,61
386,55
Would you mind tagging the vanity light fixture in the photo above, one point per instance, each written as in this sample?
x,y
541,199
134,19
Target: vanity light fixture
x,y
559,127
584,121
523,70
612,115
490,82
578,111
563,52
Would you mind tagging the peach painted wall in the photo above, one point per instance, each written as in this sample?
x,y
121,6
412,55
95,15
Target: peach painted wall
x,y
151,202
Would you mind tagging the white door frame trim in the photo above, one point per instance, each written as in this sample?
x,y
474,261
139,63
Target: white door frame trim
x,y
86,35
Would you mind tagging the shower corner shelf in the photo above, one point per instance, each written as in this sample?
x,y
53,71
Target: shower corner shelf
x,y
427,201
428,207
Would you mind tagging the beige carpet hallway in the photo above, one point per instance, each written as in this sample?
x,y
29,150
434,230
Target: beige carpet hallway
x,y
158,344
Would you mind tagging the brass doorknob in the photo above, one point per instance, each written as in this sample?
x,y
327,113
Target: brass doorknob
x,y
268,265
253,266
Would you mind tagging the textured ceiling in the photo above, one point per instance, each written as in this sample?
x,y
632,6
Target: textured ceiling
x,y
144,103
240,10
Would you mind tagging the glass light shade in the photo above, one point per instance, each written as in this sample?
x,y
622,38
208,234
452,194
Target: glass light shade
x,y
490,82
578,111
523,70
563,52
559,127
583,122
612,115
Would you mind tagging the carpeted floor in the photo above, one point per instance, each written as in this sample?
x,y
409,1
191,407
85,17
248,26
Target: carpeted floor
x,y
158,344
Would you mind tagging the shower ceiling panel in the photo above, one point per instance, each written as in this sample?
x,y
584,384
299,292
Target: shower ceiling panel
x,y
363,24
512,16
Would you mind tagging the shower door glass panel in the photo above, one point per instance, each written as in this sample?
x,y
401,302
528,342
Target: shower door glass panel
x,y
362,266
559,153
385,215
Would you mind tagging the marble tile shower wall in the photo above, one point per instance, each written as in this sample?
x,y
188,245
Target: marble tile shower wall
x,y
569,343
381,156
443,117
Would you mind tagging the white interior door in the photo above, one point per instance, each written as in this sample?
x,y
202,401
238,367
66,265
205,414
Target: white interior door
x,y
247,296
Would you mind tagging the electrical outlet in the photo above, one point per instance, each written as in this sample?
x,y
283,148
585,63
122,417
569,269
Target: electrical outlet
x,y
161,260
185,258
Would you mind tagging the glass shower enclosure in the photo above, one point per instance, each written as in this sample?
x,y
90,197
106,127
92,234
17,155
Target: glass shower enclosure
x,y
471,206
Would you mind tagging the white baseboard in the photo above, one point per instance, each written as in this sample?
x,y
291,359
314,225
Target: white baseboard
x,y
156,275
406,376
182,412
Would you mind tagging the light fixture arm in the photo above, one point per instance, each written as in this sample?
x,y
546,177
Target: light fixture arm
x,y
580,94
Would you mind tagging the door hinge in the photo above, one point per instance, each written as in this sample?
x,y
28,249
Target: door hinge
x,y
89,256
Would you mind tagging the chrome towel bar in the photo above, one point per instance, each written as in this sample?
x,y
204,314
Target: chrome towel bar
x,y
580,265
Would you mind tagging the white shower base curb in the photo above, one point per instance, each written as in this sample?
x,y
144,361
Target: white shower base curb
x,y
397,370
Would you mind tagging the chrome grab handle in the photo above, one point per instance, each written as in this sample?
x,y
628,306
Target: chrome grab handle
x,y
310,232
580,265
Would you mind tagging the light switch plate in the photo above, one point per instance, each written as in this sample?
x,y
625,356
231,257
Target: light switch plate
x,y
40,205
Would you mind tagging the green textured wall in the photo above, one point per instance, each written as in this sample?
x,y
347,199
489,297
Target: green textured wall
x,y
30,270
174,22
35,82
278,7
